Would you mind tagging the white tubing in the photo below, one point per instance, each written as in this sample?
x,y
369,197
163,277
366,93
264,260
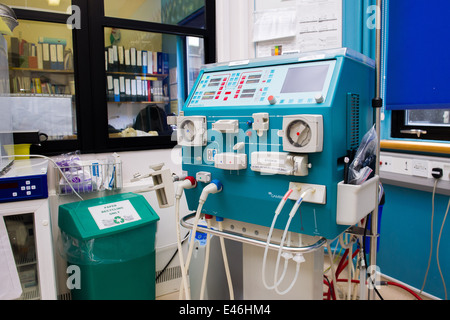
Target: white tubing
x,y
192,243
269,237
184,279
297,272
206,264
280,249
225,262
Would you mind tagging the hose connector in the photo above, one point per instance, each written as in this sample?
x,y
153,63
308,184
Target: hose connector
x,y
214,187
187,183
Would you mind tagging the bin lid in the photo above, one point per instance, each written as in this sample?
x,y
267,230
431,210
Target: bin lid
x,y
101,217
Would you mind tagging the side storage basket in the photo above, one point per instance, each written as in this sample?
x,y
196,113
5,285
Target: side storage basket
x,y
354,202
88,177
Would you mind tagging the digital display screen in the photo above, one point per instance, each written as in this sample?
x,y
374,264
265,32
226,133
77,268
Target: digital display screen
x,y
305,79
9,185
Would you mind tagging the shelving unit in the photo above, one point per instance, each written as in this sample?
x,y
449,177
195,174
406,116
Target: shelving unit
x,y
41,81
97,121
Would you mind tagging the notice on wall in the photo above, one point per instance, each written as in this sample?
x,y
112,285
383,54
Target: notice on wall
x,y
114,214
318,27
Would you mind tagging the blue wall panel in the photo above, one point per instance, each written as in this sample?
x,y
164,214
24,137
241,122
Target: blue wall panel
x,y
405,238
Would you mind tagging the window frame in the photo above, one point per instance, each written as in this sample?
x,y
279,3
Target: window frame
x,y
399,129
91,102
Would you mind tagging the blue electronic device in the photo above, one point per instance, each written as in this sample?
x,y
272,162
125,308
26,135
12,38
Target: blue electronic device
x,y
265,126
26,180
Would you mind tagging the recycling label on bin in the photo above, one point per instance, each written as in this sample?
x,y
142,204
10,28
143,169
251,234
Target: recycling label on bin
x,y
114,214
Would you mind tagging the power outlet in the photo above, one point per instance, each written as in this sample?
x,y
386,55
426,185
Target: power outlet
x,y
420,168
319,196
386,163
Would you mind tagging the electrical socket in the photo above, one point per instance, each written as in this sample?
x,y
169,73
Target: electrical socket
x,y
437,173
319,196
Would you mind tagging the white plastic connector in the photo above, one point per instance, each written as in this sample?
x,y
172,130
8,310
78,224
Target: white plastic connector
x,y
214,187
319,196
287,255
299,258
188,183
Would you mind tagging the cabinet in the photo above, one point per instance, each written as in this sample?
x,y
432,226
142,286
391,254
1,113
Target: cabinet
x,y
42,80
29,231
137,67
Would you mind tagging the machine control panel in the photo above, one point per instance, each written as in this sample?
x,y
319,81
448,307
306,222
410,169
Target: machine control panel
x,y
283,85
27,180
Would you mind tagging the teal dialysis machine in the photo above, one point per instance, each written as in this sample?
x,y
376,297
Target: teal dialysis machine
x,y
263,127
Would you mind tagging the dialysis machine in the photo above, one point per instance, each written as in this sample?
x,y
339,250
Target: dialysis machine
x,y
271,129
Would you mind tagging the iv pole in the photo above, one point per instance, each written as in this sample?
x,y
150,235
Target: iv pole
x,y
377,103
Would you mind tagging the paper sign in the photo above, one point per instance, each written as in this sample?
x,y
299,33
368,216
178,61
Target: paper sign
x,y
114,214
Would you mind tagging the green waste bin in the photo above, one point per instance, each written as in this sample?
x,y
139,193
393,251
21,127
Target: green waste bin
x,y
109,245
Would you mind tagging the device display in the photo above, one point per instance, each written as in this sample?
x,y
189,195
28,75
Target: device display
x,y
290,84
305,79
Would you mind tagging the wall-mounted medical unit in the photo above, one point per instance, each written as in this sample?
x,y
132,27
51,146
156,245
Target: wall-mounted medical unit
x,y
271,125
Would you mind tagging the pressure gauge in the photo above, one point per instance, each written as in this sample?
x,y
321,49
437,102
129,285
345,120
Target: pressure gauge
x,y
191,131
302,133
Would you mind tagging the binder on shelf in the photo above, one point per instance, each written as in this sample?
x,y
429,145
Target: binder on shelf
x,y
165,69
40,61
127,60
115,58
127,89
113,62
121,56
155,63
122,88
110,59
133,59
139,89
106,60
53,57
116,89
144,61
59,57
150,62
110,88
46,56
160,63
138,61
133,90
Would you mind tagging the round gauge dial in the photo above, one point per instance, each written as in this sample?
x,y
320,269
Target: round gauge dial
x,y
188,130
299,133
